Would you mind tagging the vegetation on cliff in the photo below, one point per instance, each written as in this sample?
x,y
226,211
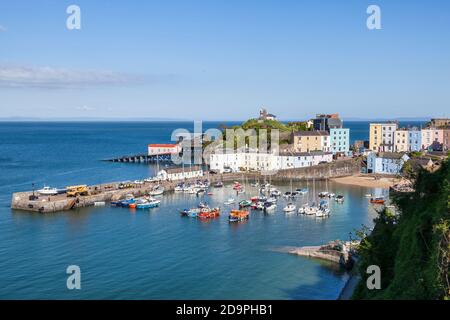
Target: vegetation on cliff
x,y
284,129
412,249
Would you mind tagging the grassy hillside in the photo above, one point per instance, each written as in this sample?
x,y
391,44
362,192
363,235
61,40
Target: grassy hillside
x,y
412,249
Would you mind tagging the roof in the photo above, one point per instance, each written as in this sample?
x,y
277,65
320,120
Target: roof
x,y
162,145
181,169
304,154
422,161
311,133
390,155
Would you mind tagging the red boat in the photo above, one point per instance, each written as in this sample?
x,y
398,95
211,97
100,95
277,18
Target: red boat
x,y
377,200
209,214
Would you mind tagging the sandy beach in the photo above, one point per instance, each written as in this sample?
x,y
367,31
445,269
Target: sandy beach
x,y
367,181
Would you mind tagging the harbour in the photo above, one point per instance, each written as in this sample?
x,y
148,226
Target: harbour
x,y
171,254
32,201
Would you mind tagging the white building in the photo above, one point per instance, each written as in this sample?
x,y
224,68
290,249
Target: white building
x,y
386,162
255,161
163,148
173,174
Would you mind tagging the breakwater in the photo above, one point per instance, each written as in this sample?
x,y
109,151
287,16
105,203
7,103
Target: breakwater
x,y
112,191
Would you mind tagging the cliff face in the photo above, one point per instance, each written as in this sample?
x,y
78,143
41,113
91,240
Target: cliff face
x,y
413,248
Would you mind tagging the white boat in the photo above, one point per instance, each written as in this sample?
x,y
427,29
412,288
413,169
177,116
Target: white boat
x,y
301,210
47,191
158,190
272,200
99,203
275,193
290,207
260,206
331,195
269,207
323,194
178,189
368,195
229,201
310,210
339,198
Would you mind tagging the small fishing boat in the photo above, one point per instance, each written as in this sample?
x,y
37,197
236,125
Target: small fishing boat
x,y
245,203
148,203
368,195
310,210
238,215
323,194
339,198
237,186
302,191
331,195
184,212
378,200
294,194
275,193
271,200
218,184
229,201
287,194
178,188
301,210
290,208
260,206
48,191
202,205
269,206
209,214
158,190
324,210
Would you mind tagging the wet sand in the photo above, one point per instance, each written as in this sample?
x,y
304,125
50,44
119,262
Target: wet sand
x,y
367,181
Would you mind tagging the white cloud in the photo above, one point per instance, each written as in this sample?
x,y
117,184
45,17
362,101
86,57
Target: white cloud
x,y
59,78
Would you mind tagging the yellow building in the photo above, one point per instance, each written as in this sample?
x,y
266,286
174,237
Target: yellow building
x,y
307,141
375,136
401,141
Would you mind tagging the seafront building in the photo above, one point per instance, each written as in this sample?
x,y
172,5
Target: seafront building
x,y
307,141
401,140
163,148
382,136
174,174
325,122
340,141
252,160
414,140
432,138
386,162
446,142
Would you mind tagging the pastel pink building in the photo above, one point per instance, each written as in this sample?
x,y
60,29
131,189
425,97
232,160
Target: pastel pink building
x,y
433,138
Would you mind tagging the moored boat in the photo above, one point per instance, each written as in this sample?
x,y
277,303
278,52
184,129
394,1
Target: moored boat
x,y
289,208
48,191
377,200
238,215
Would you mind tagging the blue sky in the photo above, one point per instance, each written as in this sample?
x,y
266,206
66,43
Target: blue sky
x,y
223,60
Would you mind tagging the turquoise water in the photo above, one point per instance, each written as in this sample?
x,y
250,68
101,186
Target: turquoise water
x,y
153,254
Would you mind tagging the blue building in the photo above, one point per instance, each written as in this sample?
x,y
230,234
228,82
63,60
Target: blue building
x,y
414,140
340,140
386,162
